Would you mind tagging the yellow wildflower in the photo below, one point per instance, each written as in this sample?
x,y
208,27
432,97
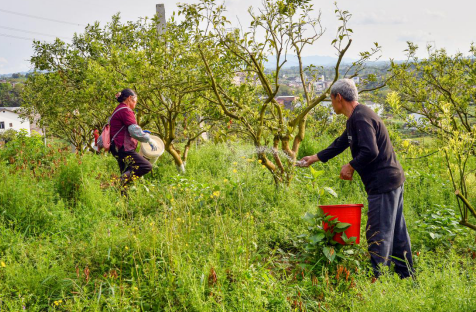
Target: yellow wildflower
x,y
3,264
126,248
235,171
135,288
216,193
235,163
242,157
260,161
263,166
226,180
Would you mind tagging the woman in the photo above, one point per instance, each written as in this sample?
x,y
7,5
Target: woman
x,y
125,132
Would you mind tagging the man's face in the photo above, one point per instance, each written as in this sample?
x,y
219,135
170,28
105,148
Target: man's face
x,y
337,103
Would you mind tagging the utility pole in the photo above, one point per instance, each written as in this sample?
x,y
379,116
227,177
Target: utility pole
x,y
160,8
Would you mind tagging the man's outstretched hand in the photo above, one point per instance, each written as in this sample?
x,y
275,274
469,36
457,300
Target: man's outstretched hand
x,y
306,161
347,172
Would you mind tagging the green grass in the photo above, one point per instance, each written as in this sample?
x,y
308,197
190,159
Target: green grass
x,y
219,238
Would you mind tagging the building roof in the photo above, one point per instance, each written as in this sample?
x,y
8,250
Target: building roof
x,y
286,97
15,110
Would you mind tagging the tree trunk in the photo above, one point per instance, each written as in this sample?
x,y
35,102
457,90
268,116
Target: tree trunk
x,y
179,163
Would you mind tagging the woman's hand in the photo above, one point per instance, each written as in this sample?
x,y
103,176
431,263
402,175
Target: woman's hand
x,y
153,145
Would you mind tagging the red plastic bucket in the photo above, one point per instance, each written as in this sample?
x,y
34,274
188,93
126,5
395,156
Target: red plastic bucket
x,y
350,213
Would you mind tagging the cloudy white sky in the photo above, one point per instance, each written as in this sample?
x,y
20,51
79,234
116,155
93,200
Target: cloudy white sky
x,y
449,24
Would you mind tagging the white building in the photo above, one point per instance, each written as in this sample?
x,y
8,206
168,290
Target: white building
x,y
376,107
10,119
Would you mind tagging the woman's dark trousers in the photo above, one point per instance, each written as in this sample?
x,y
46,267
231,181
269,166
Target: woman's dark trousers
x,y
132,165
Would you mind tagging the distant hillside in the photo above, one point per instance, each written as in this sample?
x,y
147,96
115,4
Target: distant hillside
x,y
318,60
10,74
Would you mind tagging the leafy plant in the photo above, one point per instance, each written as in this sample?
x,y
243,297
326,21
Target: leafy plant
x,y
22,149
314,179
69,182
319,243
438,227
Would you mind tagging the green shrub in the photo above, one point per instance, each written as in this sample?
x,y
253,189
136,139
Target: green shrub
x,y
437,228
69,181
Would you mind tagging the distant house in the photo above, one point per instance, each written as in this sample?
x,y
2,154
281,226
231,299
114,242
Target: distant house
x,y
287,101
320,85
10,119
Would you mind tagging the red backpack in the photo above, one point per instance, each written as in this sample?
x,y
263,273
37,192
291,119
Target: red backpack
x,y
104,140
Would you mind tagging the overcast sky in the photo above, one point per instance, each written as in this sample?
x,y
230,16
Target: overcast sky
x,y
449,24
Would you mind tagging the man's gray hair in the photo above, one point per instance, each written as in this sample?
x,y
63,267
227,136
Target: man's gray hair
x,y
346,88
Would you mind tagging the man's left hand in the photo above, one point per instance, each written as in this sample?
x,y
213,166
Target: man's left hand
x,y
347,172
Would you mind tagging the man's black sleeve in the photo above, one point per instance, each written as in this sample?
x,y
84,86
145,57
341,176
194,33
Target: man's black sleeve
x,y
367,143
337,147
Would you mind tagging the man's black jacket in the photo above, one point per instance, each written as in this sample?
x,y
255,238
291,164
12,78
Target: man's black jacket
x,y
372,151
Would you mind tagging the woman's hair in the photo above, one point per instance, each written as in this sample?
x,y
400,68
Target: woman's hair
x,y
124,94
346,88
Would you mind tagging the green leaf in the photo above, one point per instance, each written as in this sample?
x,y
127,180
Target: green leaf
x,y
330,253
321,192
343,225
317,238
330,191
348,240
309,218
397,258
316,173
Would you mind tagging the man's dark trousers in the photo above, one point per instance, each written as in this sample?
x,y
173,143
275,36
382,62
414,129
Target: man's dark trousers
x,y
387,234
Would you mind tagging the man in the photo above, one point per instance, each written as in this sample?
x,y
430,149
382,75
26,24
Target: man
x,y
375,161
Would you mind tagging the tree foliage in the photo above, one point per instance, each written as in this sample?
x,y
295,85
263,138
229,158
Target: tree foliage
x,y
76,94
10,96
441,89
276,28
